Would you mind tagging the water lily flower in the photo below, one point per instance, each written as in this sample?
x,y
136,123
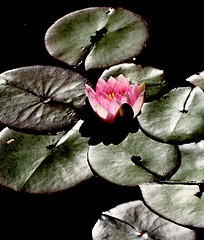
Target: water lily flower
x,y
108,97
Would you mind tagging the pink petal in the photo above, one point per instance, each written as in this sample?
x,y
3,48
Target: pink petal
x,y
134,92
88,89
111,81
127,98
103,86
120,78
114,106
117,88
140,100
103,100
99,88
108,89
118,97
110,117
104,114
125,85
90,93
102,82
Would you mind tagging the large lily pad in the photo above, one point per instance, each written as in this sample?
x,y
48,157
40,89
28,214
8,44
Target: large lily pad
x,y
192,163
179,203
152,77
99,36
136,160
40,98
175,118
133,221
43,163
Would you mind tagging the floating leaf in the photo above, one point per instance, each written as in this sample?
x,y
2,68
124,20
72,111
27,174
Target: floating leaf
x,y
43,163
192,163
133,221
152,77
99,36
40,98
137,159
197,79
177,203
175,118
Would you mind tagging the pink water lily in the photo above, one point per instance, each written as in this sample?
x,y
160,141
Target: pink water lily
x,y
109,97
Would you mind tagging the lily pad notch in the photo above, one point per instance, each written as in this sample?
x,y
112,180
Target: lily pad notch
x,y
99,36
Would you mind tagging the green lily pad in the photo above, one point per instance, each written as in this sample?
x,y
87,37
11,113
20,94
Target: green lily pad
x,y
133,220
192,163
152,77
41,98
43,163
99,36
177,203
177,117
197,79
136,160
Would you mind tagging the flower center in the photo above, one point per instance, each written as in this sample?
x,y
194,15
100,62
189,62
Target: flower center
x,y
111,95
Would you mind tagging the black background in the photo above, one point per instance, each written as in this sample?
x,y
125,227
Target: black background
x,y
176,45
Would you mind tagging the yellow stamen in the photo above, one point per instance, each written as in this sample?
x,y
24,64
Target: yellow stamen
x,y
111,96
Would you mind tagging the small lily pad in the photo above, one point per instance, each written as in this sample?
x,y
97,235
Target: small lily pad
x,y
99,36
176,202
41,98
136,160
43,163
176,118
197,80
133,220
152,77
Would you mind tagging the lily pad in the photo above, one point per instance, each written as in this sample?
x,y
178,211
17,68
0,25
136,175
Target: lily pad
x,y
99,36
133,220
43,163
197,80
177,117
192,163
136,160
41,98
152,77
177,203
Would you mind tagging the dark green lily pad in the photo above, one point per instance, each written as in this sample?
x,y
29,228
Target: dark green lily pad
x,y
43,163
152,77
41,98
133,220
177,117
136,160
192,163
177,203
99,36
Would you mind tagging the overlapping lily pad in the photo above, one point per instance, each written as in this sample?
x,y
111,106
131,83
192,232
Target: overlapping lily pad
x,y
41,98
179,203
197,79
133,220
152,77
136,160
192,163
99,36
177,117
43,163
